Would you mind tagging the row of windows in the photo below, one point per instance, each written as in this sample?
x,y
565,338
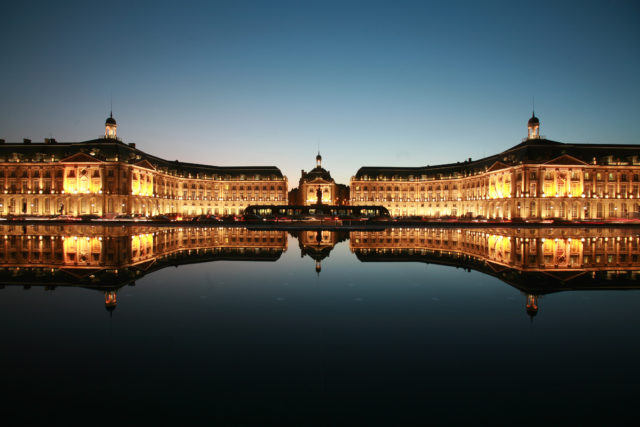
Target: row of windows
x,y
548,175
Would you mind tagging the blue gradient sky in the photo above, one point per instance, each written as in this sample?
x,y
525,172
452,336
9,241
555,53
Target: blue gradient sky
x,y
371,83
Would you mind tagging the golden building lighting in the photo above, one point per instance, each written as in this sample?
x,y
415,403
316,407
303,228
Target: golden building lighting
x,y
537,178
108,177
318,187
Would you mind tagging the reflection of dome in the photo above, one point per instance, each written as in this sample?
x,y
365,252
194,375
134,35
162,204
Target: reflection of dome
x,y
110,301
318,267
532,305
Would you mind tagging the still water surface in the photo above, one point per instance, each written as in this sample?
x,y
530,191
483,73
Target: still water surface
x,y
319,328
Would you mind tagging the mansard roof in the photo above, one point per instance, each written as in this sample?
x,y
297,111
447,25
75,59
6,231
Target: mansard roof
x,y
80,158
105,149
316,173
530,151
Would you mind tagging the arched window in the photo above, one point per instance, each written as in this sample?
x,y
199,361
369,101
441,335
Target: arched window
x,y
84,184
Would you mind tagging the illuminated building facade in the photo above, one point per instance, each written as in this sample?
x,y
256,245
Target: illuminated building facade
x,y
537,178
106,176
314,186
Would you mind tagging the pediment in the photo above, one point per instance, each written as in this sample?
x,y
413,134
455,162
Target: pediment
x,y
80,158
564,276
498,268
318,181
145,164
145,265
565,159
80,273
497,166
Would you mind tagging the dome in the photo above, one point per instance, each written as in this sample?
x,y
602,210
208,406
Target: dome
x,y
316,173
533,120
318,157
110,120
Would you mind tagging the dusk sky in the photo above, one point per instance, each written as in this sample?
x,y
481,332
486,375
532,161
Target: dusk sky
x,y
369,83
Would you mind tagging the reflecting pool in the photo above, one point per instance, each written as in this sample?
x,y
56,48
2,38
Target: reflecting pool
x,y
319,327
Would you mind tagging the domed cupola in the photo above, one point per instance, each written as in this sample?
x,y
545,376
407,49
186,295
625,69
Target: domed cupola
x,y
533,126
532,305
110,127
318,160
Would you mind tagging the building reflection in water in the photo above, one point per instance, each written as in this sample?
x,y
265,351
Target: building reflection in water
x,y
317,244
108,258
535,261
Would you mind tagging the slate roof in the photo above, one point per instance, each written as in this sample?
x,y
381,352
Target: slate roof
x,y
105,149
316,173
530,151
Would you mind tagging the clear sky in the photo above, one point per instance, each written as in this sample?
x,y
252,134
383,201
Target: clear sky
x,y
370,83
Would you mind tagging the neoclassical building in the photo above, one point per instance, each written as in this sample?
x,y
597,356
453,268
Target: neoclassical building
x,y
318,181
106,176
537,178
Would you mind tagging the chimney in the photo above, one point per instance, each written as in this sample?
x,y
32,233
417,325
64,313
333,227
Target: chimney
x,y
26,140
132,144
